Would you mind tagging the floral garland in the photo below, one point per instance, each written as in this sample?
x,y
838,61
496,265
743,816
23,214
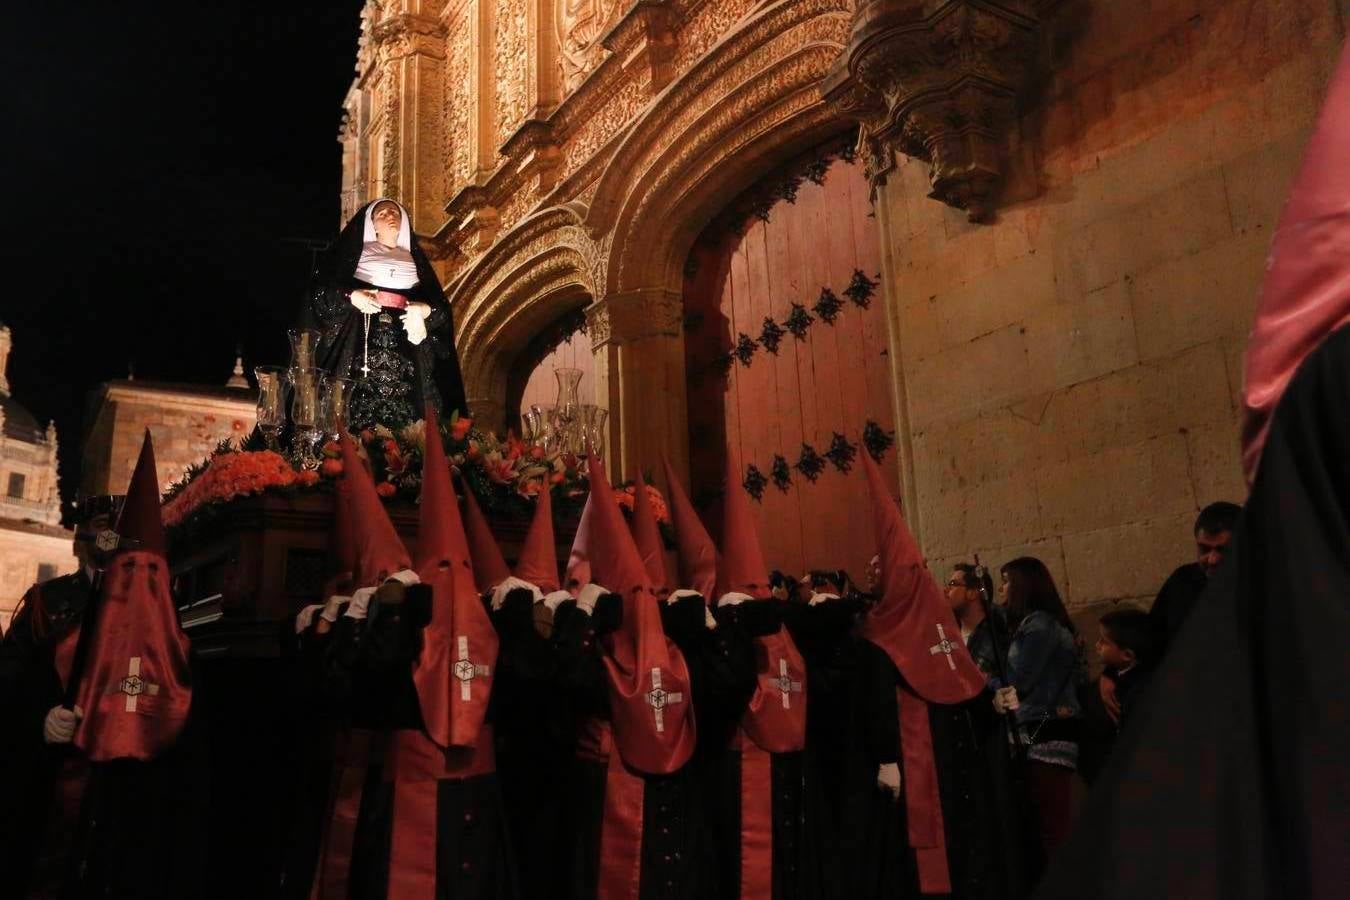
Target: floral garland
x,y
504,473
811,462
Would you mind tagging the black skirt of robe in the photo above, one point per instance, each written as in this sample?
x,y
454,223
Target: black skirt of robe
x,y
1229,778
535,733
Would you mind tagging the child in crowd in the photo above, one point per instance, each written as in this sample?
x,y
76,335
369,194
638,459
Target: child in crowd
x,y
1127,645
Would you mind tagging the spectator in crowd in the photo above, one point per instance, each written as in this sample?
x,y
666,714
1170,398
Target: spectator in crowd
x,y
1041,690
1126,643
1213,531
970,592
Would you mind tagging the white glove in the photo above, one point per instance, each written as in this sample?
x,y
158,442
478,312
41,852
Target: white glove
x,y
1005,700
405,577
415,324
587,596
59,726
306,616
513,583
365,302
330,609
732,598
360,601
556,599
821,597
888,779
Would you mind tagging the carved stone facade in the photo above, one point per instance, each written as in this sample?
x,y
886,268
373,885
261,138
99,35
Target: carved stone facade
x,y
561,154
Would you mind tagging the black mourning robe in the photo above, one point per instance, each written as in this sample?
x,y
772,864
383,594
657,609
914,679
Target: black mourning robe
x,y
432,366
71,828
1229,778
672,862
370,665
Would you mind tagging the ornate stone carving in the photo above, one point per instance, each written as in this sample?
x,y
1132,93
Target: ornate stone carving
x,y
634,315
511,63
940,81
403,34
581,24
535,153
458,103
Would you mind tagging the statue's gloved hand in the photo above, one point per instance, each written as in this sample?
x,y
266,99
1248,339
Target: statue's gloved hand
x,y
888,779
415,324
365,302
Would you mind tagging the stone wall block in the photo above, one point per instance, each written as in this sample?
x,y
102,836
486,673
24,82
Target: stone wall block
x,y
1116,486
1187,301
1127,561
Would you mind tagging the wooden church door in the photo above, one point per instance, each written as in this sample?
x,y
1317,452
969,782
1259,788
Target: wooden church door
x,y
794,239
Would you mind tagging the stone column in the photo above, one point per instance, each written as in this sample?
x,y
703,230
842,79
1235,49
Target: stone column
x,y
638,341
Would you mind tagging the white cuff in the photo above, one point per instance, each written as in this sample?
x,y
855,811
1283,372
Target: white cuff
x,y
709,619
330,609
733,598
405,577
556,599
587,596
306,616
682,592
360,600
821,597
513,583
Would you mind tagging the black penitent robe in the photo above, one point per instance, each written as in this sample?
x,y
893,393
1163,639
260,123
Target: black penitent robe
x,y
536,738
434,374
370,665
797,861
673,852
1229,779
76,829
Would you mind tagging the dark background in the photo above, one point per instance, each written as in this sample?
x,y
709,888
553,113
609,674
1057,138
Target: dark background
x,y
161,162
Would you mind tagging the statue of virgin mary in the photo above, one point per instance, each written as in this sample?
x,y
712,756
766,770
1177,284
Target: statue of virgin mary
x,y
384,321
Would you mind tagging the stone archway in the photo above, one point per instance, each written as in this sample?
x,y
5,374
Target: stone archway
x,y
536,273
750,104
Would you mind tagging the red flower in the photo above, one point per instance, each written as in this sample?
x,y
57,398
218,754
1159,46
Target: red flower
x,y
460,429
331,468
385,489
309,477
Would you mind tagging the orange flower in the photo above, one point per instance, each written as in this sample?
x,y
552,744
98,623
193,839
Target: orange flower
x,y
331,468
460,429
385,489
309,477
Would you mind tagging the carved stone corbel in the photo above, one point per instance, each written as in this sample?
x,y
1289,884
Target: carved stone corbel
x,y
473,219
644,42
535,153
942,81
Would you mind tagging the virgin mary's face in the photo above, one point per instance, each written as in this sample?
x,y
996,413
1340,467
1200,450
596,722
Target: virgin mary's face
x,y
387,218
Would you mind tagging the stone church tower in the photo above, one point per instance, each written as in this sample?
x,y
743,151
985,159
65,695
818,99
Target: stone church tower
x,y
1060,209
33,545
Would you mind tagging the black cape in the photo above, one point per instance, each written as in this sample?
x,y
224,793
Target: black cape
x,y
1229,780
328,309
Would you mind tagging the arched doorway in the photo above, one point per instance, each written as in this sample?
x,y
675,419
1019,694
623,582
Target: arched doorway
x,y
794,236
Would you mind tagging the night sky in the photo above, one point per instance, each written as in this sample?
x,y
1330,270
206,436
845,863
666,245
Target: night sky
x,y
162,163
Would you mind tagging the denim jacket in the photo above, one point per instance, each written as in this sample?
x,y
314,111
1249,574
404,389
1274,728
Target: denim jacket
x,y
1042,663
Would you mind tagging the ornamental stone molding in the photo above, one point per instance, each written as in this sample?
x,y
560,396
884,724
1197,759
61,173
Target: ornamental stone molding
x,y
634,315
942,81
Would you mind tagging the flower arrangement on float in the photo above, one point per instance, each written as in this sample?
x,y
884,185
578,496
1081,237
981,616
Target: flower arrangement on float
x,y
505,473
